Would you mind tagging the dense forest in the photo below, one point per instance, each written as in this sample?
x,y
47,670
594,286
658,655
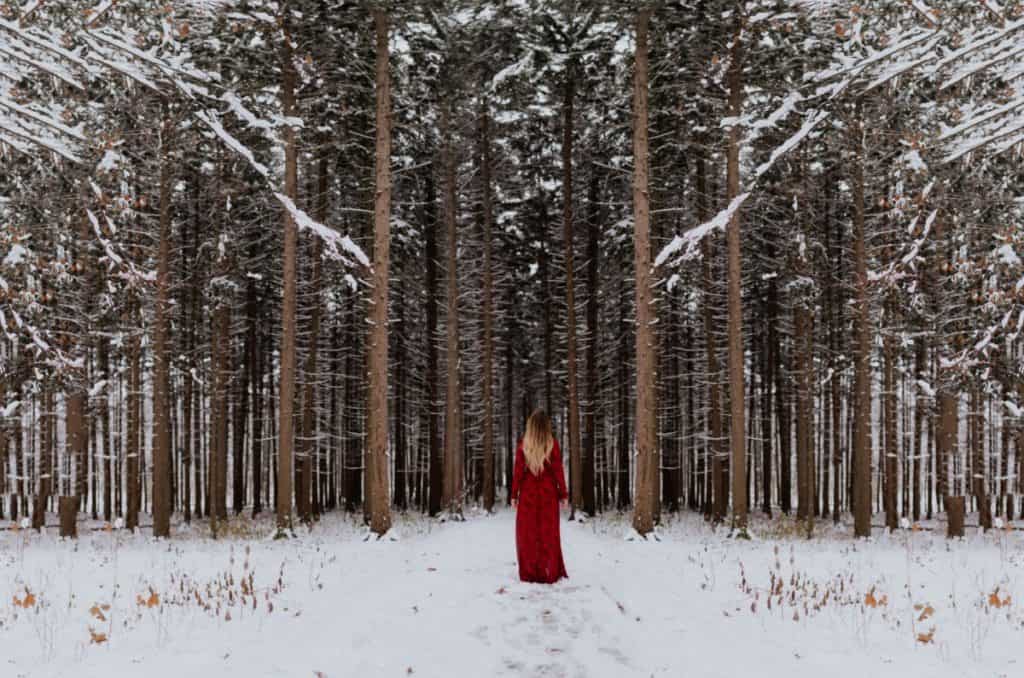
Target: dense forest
x,y
300,256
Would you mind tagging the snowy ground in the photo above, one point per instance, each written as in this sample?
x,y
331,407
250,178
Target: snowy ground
x,y
444,600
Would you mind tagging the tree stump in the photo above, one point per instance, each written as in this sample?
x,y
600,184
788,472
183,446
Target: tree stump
x,y
67,509
955,516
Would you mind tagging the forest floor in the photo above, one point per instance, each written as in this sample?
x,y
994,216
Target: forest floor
x,y
443,599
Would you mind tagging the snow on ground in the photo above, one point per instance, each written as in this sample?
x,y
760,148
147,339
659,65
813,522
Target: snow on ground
x,y
444,600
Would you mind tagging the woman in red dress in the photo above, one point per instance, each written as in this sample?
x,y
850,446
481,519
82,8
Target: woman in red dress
x,y
538,486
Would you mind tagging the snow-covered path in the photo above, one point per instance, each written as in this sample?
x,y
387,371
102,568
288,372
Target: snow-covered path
x,y
444,601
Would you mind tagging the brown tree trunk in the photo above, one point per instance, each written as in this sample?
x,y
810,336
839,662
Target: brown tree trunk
x,y
377,367
623,485
645,507
307,438
891,450
435,461
589,450
67,511
955,510
286,422
256,440
862,363
767,372
43,463
488,311
920,453
133,450
161,354
240,422
736,402
979,477
220,338
453,459
104,461
402,471
804,436
947,442
719,474
575,448
77,437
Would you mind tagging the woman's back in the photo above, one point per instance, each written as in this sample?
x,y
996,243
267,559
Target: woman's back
x,y
538,485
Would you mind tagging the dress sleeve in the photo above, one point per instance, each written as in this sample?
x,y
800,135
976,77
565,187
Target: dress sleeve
x,y
556,466
517,472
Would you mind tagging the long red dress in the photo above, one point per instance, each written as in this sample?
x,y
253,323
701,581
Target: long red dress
x,y
538,541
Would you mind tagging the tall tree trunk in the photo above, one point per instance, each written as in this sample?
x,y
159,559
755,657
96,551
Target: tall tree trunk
x,y
719,474
377,413
162,498
593,281
77,430
488,310
862,365
133,451
575,449
402,474
736,402
891,449
920,453
435,461
286,437
947,440
622,491
803,338
645,508
453,461
767,371
256,439
221,365
104,450
307,438
240,422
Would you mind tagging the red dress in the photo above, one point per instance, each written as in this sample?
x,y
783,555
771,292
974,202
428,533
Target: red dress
x,y
538,542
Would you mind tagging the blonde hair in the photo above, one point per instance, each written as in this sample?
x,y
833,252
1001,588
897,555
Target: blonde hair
x,y
538,441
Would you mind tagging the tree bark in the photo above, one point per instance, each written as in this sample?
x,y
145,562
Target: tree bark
x,y
736,402
453,458
435,461
575,449
133,451
488,310
862,364
589,450
286,437
719,498
307,439
891,450
645,508
377,412
161,354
